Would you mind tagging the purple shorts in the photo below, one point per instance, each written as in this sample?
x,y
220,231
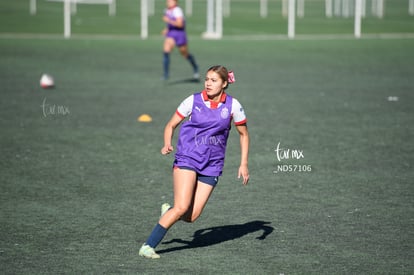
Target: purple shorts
x,y
179,36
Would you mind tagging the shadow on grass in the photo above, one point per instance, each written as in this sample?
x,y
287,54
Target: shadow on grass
x,y
183,81
219,234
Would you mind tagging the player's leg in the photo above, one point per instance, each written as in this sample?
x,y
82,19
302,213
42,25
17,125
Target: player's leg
x,y
201,195
169,44
184,187
184,190
190,58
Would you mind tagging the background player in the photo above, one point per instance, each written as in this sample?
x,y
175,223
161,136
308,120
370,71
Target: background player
x,y
175,35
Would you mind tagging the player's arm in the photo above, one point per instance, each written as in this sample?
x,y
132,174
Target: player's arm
x,y
240,122
244,148
169,132
178,22
183,111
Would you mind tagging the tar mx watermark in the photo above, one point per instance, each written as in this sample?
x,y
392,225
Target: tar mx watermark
x,y
53,109
290,155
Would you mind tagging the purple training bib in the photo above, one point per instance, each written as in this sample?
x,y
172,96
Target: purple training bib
x,y
203,138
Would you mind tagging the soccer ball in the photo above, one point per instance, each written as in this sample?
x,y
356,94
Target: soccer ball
x,y
46,81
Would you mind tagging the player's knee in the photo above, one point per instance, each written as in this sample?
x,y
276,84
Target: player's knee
x,y
180,210
188,219
184,52
192,217
167,48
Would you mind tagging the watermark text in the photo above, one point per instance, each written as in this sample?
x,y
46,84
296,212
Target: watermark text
x,y
287,154
53,109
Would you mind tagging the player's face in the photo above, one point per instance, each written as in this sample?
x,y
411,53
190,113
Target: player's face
x,y
171,3
213,84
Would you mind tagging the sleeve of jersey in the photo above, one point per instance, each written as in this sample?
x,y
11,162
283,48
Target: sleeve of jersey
x,y
178,12
239,116
185,108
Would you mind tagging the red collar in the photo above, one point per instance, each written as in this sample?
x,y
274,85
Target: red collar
x,y
222,98
214,104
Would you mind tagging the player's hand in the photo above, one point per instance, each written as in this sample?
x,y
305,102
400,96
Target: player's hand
x,y
166,19
167,149
244,173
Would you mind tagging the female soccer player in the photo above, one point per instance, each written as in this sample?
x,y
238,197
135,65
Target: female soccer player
x,y
175,35
201,149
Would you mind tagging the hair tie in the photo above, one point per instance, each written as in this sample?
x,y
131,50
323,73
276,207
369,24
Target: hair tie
x,y
230,77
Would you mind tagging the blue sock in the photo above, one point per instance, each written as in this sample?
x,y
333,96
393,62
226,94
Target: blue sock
x,y
193,63
166,64
156,236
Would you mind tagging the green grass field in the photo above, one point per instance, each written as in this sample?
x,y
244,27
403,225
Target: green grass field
x,y
82,181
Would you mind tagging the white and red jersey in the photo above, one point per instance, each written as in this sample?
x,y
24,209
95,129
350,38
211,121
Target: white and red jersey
x,y
173,14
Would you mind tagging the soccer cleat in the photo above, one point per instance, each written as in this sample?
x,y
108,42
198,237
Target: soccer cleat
x,y
164,78
164,208
196,76
147,251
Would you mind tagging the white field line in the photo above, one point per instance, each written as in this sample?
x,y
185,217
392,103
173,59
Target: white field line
x,y
258,37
